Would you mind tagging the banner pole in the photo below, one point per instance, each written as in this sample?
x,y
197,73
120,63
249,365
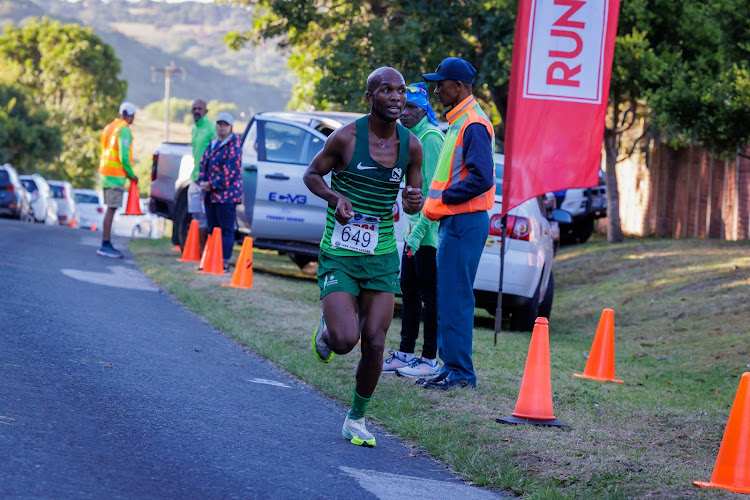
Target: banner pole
x,y
499,306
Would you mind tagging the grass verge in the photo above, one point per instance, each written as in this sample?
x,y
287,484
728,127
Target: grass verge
x,y
681,346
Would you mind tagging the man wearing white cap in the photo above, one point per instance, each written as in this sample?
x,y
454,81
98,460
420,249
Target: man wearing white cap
x,y
115,165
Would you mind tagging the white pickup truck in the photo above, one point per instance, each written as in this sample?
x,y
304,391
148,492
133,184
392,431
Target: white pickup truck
x,y
277,147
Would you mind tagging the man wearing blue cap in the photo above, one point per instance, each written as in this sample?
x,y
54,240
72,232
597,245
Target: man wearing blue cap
x,y
461,192
418,265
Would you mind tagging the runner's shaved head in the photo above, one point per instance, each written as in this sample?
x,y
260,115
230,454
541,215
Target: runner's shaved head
x,y
200,103
379,75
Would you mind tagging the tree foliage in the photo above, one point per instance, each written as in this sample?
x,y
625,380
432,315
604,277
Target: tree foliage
x,y
71,73
335,45
680,69
25,137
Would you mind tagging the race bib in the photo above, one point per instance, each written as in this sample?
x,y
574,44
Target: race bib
x,y
360,235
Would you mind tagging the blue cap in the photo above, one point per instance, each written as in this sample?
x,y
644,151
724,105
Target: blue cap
x,y
416,93
452,68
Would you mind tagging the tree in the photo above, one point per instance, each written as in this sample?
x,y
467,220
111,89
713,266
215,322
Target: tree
x,y
708,99
334,46
72,74
25,137
680,70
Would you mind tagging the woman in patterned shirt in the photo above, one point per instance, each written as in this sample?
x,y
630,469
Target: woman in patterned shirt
x,y
221,177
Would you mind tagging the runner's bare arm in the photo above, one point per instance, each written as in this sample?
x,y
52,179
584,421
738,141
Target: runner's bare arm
x,y
337,149
412,197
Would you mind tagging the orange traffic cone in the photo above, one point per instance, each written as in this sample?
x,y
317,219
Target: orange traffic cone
x,y
206,249
601,363
133,207
73,222
243,273
192,252
534,404
732,468
93,226
214,262
176,248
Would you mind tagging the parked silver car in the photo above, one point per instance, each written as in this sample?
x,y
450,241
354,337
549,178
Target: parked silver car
x,y
42,198
67,210
15,201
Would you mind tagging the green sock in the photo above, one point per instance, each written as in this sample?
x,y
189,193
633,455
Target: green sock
x,y
359,405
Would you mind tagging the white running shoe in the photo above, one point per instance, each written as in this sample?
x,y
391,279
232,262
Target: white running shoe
x,y
356,432
419,367
393,362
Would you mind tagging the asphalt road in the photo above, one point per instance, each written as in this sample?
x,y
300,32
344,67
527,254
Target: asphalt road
x,y
119,392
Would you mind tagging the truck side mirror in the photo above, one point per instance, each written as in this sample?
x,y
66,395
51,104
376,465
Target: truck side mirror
x,y
562,216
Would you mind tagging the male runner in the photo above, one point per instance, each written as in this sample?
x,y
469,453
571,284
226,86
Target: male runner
x,y
358,264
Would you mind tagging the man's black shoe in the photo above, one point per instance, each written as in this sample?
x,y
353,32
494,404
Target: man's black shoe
x,y
423,381
445,384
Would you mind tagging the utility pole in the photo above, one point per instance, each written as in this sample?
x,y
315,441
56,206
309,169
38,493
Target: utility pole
x,y
167,70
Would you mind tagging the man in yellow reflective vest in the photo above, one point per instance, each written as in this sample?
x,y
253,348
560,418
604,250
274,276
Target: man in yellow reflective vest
x,y
115,165
461,192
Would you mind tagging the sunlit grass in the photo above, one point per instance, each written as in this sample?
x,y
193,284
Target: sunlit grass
x,y
682,342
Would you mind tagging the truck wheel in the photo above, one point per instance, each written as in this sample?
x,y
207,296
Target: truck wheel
x,y
545,308
181,220
301,260
584,230
522,318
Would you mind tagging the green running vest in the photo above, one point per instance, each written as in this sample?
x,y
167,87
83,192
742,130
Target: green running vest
x,y
371,188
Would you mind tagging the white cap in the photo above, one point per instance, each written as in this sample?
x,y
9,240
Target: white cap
x,y
127,108
225,116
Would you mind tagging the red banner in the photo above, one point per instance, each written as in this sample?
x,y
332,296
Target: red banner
x,y
559,86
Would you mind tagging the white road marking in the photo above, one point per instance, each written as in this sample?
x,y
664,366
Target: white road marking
x,y
119,277
384,485
4,420
268,382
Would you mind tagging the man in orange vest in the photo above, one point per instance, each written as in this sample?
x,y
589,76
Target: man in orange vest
x,y
115,165
461,192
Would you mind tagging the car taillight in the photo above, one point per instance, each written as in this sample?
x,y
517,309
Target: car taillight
x,y
100,210
63,218
517,227
396,212
496,225
11,188
64,194
154,159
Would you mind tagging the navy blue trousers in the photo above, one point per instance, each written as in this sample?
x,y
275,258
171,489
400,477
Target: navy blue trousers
x,y
462,239
223,216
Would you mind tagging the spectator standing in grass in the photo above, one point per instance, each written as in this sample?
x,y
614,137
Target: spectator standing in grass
x,y
204,129
418,265
220,177
461,192
358,264
115,166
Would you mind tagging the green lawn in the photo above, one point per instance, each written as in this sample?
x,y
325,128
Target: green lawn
x,y
681,313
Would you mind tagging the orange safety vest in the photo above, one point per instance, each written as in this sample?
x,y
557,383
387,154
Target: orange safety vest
x,y
451,168
109,162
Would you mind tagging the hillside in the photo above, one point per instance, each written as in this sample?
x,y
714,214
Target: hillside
x,y
148,35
